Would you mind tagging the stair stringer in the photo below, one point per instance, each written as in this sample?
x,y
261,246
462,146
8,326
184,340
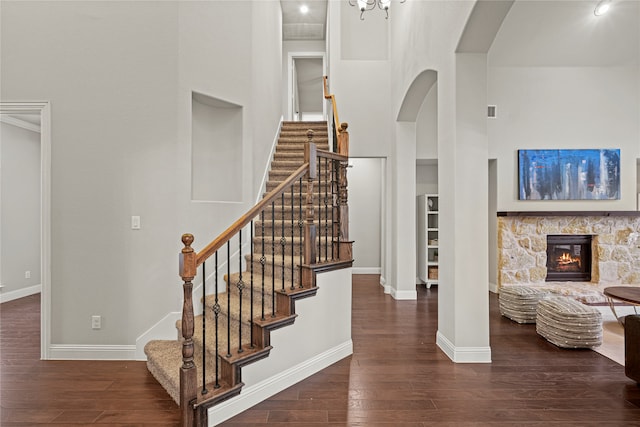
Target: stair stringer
x,y
320,336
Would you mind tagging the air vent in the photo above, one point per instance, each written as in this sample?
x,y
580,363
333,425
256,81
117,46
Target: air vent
x,y
303,32
491,111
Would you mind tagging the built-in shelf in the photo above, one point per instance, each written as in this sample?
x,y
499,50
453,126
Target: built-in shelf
x,y
569,213
427,227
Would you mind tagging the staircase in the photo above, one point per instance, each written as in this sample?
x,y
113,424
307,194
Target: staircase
x,y
278,268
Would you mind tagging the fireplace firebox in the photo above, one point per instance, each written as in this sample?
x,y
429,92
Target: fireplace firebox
x,y
569,258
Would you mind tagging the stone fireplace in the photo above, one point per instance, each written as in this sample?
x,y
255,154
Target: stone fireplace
x,y
615,246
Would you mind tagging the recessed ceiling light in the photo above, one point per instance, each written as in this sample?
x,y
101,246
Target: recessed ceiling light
x,y
304,9
602,7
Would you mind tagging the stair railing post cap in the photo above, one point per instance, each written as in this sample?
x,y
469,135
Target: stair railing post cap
x,y
187,240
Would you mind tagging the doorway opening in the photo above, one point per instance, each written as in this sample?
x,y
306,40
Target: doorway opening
x,y
305,86
41,110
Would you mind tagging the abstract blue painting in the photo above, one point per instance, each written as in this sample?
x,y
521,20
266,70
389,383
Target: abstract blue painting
x,y
590,174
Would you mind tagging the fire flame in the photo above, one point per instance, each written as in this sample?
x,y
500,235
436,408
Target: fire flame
x,y
566,258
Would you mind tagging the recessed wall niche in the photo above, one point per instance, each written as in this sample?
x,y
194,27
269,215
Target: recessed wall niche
x,y
216,149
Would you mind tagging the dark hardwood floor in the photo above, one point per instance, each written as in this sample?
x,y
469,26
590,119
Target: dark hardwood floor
x,y
397,377
61,392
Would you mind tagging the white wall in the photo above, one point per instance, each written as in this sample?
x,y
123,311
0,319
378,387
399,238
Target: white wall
x,y
427,127
19,211
548,99
366,182
361,86
426,177
119,76
266,67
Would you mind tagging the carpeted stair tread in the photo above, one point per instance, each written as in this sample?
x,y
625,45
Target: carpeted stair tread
x,y
223,335
235,307
277,231
298,146
281,175
298,247
273,267
289,156
297,198
257,284
164,359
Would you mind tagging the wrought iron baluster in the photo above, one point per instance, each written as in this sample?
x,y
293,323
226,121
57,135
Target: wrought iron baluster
x,y
251,279
326,211
293,246
319,169
216,313
273,259
229,299
283,239
240,287
333,208
300,233
204,329
263,261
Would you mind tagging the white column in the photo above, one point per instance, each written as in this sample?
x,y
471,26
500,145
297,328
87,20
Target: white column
x,y
403,285
463,305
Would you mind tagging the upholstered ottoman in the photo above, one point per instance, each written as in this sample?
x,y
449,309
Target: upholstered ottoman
x,y
568,323
519,303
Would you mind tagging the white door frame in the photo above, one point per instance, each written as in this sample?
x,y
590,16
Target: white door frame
x,y
42,108
292,56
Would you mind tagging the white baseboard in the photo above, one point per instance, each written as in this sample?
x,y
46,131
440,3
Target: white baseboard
x,y
366,270
493,288
255,394
385,287
404,295
20,293
463,354
91,352
165,329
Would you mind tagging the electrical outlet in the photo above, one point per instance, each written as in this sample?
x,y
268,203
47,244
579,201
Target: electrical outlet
x,y
27,274
135,222
96,322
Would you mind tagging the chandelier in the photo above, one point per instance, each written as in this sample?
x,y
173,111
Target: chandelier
x,y
365,5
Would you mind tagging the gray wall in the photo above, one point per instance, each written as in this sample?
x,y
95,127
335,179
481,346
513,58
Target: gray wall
x,y
119,76
19,210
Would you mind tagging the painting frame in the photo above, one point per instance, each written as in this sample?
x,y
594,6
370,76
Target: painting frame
x,y
569,174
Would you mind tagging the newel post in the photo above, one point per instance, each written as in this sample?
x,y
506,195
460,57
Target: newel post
x,y
188,373
345,250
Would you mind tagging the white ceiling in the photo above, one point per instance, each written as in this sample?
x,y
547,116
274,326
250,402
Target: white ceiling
x,y
309,26
567,34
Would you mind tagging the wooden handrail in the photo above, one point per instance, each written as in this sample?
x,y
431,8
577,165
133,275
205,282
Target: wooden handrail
x,y
331,155
336,121
245,219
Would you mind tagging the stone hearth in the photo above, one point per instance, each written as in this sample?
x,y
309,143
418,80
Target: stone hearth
x,y
522,247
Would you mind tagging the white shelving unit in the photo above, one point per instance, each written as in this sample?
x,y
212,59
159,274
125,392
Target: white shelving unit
x,y
427,243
